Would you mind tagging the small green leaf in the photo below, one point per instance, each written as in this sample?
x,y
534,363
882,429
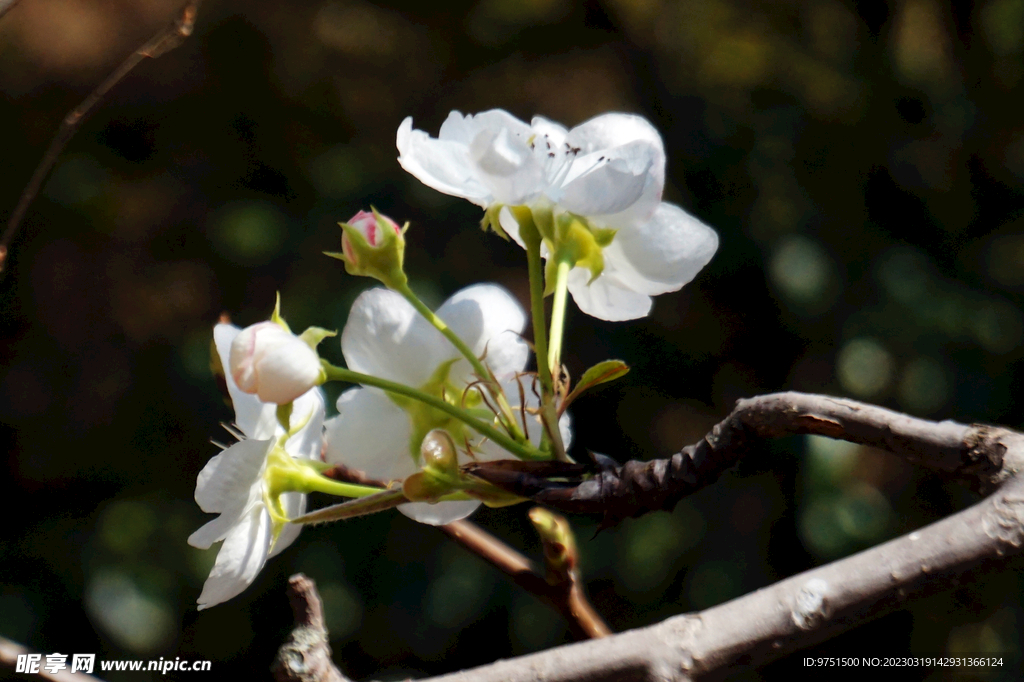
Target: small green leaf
x,y
602,372
314,335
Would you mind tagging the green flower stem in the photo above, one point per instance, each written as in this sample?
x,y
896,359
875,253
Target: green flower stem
x,y
530,235
295,475
521,450
481,370
531,238
558,312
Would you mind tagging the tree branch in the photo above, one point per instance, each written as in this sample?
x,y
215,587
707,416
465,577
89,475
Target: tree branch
x,y
165,40
973,453
787,616
807,608
565,596
306,656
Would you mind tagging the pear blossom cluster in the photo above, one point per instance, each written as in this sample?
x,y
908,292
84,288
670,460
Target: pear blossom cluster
x,y
610,170
589,200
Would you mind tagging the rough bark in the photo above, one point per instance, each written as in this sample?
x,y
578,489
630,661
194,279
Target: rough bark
x,y
804,609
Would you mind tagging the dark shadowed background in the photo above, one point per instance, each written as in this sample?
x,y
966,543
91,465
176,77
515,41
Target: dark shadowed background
x,y
863,164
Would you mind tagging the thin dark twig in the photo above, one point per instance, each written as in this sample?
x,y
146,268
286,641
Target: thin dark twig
x,y
165,40
5,6
566,597
973,453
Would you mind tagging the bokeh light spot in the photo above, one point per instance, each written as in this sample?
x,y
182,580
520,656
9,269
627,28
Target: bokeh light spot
x,y
924,387
802,270
132,618
248,232
712,582
343,610
864,367
126,526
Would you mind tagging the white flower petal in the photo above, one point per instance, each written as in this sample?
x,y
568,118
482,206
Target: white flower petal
x,y
662,254
294,504
607,131
309,407
371,434
601,183
554,133
215,530
441,164
239,560
463,129
508,166
607,298
489,320
228,477
634,139
438,514
255,418
386,337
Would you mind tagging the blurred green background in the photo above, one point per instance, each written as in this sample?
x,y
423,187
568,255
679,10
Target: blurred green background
x,y
863,164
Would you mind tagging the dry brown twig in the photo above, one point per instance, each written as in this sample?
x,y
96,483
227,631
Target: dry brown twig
x,y
5,6
810,607
563,592
164,41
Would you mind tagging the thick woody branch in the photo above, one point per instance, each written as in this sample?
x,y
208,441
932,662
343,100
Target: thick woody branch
x,y
306,656
812,606
791,614
973,453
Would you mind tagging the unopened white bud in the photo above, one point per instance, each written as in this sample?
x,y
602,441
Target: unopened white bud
x,y
272,363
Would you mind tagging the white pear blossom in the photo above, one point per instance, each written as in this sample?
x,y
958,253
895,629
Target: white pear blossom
x,y
609,170
269,361
387,338
232,484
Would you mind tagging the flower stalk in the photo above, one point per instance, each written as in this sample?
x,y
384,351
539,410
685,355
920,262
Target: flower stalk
x,y
531,237
482,372
521,450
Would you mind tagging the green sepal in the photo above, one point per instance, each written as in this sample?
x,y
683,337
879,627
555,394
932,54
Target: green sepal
x,y
544,219
603,235
492,221
602,372
275,316
284,416
314,335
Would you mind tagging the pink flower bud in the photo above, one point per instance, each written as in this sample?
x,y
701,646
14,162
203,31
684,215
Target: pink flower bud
x,y
272,363
370,228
